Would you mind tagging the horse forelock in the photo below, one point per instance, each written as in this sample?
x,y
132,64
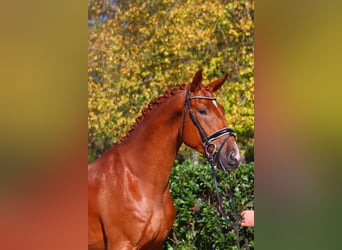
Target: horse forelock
x,y
151,106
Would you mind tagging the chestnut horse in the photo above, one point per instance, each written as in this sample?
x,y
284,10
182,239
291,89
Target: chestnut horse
x,y
129,200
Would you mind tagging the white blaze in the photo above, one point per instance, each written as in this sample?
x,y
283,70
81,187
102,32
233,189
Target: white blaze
x,y
215,103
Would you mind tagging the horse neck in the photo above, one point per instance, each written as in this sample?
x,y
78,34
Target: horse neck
x,y
155,143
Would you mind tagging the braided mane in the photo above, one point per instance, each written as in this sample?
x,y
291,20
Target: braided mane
x,y
155,102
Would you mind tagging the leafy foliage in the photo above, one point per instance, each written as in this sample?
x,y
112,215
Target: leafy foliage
x,y
198,224
137,49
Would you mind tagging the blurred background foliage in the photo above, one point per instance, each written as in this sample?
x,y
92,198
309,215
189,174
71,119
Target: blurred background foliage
x,y
138,49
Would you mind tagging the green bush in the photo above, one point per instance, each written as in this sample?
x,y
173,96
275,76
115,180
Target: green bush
x,y
198,223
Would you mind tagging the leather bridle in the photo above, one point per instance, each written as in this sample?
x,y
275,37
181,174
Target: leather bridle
x,y
207,140
212,156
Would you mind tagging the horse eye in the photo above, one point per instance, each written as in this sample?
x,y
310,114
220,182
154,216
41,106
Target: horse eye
x,y
202,111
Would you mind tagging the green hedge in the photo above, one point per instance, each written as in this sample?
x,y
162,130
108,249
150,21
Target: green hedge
x,y
198,224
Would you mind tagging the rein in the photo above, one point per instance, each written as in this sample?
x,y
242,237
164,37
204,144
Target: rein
x,y
207,141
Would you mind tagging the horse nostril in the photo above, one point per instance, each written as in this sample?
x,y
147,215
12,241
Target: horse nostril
x,y
232,160
232,156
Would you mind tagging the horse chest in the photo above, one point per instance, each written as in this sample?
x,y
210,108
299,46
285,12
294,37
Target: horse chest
x,y
160,217
157,221
158,225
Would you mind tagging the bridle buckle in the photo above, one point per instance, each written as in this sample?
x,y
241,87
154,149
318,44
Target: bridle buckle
x,y
210,149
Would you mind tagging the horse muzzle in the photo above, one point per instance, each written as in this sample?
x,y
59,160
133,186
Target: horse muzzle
x,y
228,159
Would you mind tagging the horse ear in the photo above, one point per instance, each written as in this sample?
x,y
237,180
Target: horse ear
x,y
196,81
217,84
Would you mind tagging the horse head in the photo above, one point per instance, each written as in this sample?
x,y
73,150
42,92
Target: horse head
x,y
204,126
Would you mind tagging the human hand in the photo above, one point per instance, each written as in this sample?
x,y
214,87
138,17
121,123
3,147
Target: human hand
x,y
247,218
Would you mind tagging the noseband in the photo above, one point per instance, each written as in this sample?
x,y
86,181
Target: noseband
x,y
207,140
